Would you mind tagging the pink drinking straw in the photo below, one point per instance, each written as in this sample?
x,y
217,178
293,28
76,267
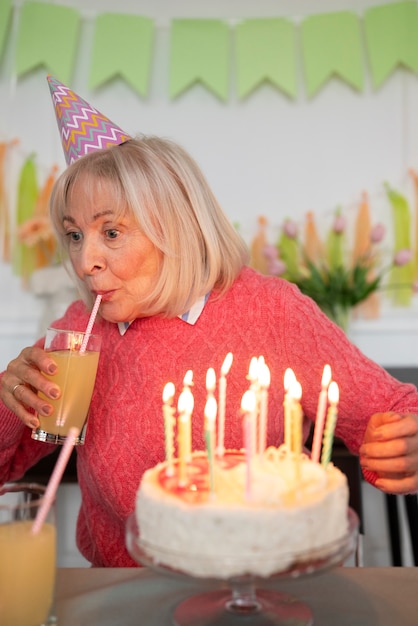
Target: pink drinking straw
x,y
55,479
90,324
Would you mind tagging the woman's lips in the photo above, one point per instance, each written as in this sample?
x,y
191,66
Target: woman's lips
x,y
106,295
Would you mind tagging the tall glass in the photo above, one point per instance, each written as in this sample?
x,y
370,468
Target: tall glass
x,y
27,560
77,357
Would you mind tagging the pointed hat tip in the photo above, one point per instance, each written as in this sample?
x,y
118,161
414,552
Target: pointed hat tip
x,y
83,129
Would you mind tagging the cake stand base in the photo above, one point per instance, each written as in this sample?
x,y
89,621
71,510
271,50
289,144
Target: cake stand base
x,y
220,608
242,603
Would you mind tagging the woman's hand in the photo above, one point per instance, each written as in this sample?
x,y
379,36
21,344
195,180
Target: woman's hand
x,y
22,381
390,449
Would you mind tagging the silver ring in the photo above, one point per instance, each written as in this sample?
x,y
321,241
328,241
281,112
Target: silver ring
x,y
16,386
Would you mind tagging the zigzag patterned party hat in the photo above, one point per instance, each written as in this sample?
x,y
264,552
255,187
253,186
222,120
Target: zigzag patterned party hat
x,y
83,128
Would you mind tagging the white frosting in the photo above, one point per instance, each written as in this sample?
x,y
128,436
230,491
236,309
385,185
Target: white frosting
x,y
295,510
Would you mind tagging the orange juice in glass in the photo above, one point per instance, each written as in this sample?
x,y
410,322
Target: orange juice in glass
x,y
28,561
76,355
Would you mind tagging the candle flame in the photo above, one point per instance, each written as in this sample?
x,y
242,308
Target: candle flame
x,y
168,392
186,402
188,378
333,393
253,369
248,401
289,378
264,376
210,379
226,365
296,390
211,408
326,376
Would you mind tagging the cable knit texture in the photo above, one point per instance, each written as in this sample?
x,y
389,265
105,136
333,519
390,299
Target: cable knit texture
x,y
258,316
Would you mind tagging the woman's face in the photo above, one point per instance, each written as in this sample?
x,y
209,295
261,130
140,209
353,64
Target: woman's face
x,y
109,252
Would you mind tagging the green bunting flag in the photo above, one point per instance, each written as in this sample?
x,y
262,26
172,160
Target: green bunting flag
x,y
5,18
331,44
265,51
122,46
47,36
392,38
199,53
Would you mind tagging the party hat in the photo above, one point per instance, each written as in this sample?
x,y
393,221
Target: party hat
x,y
83,128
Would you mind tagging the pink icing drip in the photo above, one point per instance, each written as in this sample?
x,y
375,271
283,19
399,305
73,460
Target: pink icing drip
x,y
197,488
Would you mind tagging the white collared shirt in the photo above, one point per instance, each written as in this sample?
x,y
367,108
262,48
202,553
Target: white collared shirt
x,y
191,316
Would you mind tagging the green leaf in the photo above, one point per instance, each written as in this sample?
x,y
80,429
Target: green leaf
x,y
24,257
401,278
289,253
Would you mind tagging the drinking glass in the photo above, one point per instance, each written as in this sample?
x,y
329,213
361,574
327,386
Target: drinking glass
x,y
28,560
77,357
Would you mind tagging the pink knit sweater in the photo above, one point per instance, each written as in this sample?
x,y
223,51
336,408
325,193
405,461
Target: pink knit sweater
x,y
125,436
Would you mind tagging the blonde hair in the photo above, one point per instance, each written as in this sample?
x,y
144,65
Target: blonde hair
x,y
175,208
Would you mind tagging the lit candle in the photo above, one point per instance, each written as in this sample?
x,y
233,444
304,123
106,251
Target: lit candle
x,y
188,379
297,417
289,379
210,419
264,380
185,408
187,383
210,381
226,366
248,407
168,412
253,373
333,397
320,414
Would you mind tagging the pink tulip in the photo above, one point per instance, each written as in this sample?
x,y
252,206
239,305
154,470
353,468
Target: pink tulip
x,y
270,252
377,233
339,224
402,257
276,267
290,229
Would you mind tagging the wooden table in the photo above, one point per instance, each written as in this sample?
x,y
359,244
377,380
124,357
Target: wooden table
x,y
346,596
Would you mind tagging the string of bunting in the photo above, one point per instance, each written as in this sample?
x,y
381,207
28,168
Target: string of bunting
x,y
265,49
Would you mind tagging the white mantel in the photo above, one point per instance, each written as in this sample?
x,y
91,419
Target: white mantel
x,y
390,340
25,315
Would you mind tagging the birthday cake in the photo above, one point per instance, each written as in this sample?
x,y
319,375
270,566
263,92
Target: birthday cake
x,y
219,524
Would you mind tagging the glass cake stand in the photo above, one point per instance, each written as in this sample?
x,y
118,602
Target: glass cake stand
x,y
243,602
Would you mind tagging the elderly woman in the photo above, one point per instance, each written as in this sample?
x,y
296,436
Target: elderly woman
x,y
140,226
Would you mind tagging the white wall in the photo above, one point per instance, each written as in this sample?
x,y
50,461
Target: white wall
x,y
265,155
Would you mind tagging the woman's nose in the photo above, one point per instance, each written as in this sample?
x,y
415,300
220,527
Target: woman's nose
x,y
92,259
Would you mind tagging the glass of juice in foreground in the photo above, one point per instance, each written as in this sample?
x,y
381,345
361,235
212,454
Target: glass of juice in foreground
x,y
76,355
27,561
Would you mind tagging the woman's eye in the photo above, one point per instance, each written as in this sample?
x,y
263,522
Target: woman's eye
x,y
112,233
74,236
